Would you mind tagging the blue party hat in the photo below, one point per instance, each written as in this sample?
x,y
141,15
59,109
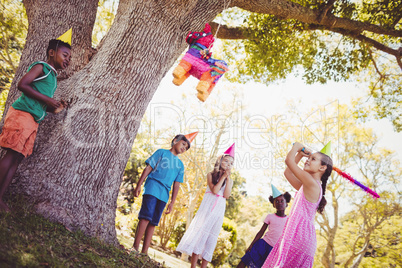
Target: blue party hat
x,y
275,192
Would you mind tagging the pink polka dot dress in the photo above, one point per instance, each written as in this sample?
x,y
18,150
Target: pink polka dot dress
x,y
297,244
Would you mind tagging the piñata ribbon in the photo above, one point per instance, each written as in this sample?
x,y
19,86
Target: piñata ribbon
x,y
351,179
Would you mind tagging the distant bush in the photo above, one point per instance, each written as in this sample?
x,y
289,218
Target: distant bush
x,y
226,242
178,234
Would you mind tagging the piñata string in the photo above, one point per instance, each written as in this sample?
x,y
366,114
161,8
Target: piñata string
x,y
351,179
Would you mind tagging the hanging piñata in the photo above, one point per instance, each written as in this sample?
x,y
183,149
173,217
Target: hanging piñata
x,y
198,62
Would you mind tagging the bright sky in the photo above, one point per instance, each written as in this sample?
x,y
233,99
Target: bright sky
x,y
261,100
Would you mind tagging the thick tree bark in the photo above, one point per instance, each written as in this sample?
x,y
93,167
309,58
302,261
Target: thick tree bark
x,y
74,175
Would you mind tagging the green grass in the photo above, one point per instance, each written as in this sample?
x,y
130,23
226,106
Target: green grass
x,y
29,240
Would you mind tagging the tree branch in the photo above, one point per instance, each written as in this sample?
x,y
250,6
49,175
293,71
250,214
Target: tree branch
x,y
325,10
398,59
289,10
379,46
234,33
398,18
375,63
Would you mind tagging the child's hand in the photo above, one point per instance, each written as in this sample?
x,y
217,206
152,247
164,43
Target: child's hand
x,y
64,103
227,173
169,208
137,191
61,107
53,104
298,146
306,152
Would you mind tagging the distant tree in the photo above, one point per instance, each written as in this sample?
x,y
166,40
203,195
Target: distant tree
x,y
226,242
13,30
248,222
361,231
235,201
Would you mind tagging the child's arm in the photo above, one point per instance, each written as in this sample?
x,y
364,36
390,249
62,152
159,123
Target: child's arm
x,y
24,85
176,187
228,188
289,174
216,187
144,175
302,176
258,236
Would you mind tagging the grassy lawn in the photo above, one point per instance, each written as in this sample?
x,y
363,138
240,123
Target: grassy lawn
x,y
164,258
29,240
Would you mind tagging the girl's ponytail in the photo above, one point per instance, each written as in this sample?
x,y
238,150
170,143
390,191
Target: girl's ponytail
x,y
327,161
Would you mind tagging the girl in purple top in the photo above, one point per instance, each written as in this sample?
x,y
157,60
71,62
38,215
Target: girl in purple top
x,y
260,248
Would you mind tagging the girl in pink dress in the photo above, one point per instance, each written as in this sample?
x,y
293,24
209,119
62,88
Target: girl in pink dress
x,y
297,244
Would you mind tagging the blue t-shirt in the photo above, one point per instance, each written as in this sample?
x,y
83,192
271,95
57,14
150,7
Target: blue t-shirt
x,y
166,169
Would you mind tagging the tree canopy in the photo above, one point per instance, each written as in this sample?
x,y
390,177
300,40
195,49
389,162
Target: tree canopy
x,y
321,41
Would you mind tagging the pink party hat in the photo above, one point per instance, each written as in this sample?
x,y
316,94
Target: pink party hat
x,y
230,151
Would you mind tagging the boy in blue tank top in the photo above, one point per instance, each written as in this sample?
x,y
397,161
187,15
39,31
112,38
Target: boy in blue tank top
x,y
22,120
163,170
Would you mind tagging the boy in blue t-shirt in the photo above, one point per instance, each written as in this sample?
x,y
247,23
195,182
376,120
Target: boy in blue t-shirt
x,y
164,168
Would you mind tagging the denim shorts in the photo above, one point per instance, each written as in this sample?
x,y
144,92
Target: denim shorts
x,y
151,209
257,255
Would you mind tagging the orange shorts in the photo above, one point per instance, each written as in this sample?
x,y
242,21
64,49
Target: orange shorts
x,y
19,132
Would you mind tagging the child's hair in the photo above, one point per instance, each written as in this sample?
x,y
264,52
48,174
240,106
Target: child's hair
x,y
327,161
54,44
181,137
217,172
286,195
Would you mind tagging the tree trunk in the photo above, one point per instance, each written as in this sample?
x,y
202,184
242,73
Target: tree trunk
x,y
329,256
362,252
74,174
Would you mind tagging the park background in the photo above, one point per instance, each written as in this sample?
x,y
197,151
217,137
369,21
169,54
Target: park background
x,y
264,120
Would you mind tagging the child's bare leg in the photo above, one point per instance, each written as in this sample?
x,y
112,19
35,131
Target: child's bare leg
x,y
149,232
194,259
8,166
139,233
241,265
204,263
